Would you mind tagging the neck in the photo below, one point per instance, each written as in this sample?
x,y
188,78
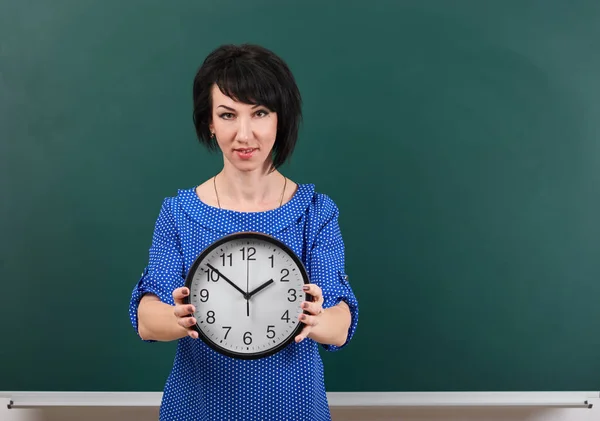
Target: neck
x,y
252,188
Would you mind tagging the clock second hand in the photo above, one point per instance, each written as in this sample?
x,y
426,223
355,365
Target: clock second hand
x,y
247,286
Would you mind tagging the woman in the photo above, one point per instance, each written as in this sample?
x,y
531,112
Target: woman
x,y
247,104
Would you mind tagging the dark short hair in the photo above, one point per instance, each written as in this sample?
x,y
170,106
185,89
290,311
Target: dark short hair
x,y
253,75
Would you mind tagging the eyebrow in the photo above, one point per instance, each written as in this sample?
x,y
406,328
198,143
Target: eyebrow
x,y
231,109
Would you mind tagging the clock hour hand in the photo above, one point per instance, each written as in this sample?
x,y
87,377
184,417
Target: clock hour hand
x,y
260,288
227,280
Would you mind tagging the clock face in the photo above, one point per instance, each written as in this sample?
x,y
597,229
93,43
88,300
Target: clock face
x,y
247,291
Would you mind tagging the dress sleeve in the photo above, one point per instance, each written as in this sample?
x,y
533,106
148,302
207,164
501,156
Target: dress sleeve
x,y
327,262
165,269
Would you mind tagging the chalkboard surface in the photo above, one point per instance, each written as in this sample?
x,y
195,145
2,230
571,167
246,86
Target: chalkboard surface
x,y
460,140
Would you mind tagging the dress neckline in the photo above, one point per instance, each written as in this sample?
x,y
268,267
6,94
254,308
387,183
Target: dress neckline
x,y
228,220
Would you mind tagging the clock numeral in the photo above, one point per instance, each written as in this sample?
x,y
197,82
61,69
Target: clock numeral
x,y
251,252
284,277
272,259
270,332
230,256
204,295
210,317
211,275
228,329
248,338
286,316
294,297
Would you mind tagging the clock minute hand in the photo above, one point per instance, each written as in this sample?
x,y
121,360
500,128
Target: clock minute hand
x,y
260,288
227,280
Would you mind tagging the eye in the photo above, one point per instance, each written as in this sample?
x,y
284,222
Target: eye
x,y
226,116
262,113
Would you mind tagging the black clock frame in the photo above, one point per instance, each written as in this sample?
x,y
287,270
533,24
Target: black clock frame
x,y
247,236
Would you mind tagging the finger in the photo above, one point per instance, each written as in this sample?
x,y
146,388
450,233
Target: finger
x,y
191,332
313,308
179,294
303,334
309,320
186,322
184,310
314,291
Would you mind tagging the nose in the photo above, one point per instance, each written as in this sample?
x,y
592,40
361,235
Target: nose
x,y
244,132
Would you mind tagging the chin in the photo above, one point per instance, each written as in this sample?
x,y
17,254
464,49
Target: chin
x,y
248,165
246,168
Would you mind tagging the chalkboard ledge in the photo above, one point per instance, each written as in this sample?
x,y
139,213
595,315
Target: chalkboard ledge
x,y
570,399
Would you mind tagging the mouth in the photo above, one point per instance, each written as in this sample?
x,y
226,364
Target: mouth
x,y
245,153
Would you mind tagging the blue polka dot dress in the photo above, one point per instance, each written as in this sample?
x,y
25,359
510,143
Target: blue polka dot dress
x,y
205,385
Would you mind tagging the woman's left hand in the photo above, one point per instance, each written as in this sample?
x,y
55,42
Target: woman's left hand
x,y
314,308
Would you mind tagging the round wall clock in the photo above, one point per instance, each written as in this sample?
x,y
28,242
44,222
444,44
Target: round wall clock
x,y
247,291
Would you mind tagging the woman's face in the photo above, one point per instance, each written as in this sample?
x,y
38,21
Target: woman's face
x,y
245,133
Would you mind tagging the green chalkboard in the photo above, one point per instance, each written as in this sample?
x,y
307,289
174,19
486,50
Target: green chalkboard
x,y
460,140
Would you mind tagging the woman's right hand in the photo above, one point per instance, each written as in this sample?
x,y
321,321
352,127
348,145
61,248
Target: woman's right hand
x,y
184,312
